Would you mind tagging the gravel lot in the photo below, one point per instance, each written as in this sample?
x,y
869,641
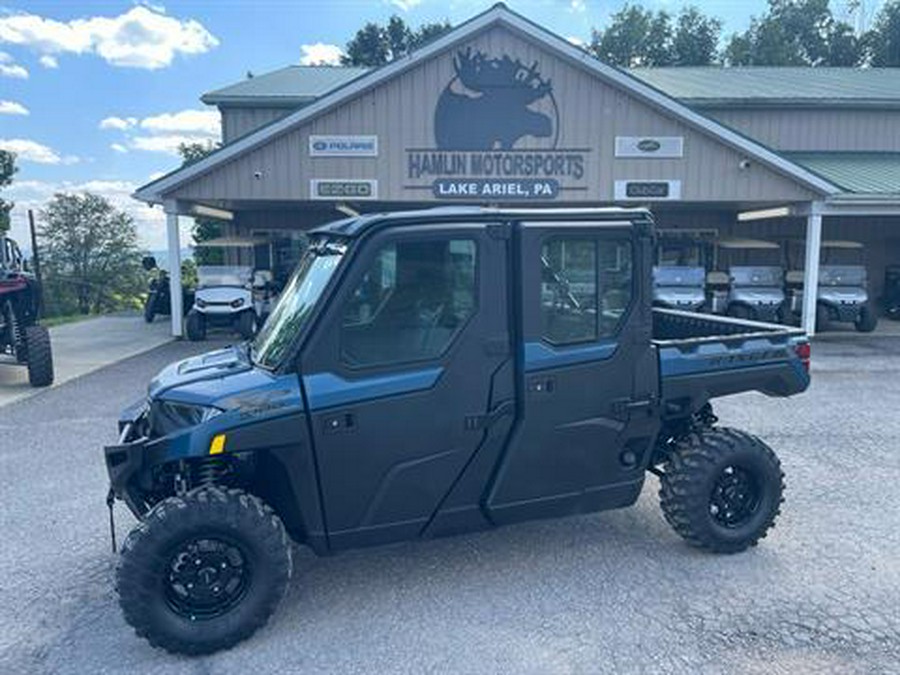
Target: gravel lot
x,y
612,592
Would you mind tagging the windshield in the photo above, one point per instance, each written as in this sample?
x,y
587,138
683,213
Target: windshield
x,y
296,303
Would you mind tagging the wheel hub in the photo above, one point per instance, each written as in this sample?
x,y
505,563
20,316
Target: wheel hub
x,y
206,577
735,497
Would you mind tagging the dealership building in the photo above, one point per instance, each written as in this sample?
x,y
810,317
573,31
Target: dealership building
x,y
500,111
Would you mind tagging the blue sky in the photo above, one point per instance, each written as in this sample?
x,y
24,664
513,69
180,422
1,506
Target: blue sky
x,y
96,95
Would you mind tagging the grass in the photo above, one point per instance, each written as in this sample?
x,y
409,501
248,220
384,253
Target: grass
x,y
51,321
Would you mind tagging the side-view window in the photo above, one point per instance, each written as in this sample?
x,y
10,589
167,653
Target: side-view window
x,y
586,288
411,302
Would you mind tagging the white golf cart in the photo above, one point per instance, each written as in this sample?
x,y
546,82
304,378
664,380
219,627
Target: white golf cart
x,y
230,296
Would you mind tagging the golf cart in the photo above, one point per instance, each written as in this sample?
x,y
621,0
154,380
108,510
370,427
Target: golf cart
x,y
679,275
22,341
748,280
234,296
842,294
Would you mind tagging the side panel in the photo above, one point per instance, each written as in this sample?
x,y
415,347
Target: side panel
x,y
588,410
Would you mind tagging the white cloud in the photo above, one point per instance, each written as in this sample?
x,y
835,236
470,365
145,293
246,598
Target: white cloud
x,y
577,41
406,5
577,6
320,54
118,147
168,143
31,151
203,122
13,70
33,194
142,37
48,61
120,123
12,108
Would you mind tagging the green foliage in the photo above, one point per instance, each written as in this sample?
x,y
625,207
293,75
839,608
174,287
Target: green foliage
x,y
204,228
882,43
7,170
638,37
89,256
376,45
796,33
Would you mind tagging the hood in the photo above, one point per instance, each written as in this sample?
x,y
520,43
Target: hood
x,y
673,275
756,276
209,367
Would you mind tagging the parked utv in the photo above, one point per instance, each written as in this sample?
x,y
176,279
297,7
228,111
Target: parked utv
x,y
430,373
748,282
159,300
843,292
22,340
233,296
679,275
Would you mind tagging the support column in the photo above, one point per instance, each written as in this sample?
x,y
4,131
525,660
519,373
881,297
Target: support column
x,y
174,243
811,268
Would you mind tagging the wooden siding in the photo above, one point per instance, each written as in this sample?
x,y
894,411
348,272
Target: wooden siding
x,y
591,113
816,130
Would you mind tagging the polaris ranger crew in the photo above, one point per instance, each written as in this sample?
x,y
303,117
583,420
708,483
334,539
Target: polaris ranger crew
x,y
431,373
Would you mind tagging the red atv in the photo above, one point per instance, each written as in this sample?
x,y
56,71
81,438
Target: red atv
x,y
22,340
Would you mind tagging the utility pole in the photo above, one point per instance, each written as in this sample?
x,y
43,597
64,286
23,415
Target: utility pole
x,y
35,257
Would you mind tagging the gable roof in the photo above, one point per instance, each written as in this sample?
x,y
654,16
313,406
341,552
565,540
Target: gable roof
x,y
714,86
870,173
290,86
498,15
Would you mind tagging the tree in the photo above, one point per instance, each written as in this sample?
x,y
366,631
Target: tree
x,y
882,43
89,254
204,228
7,170
696,38
796,33
376,45
638,37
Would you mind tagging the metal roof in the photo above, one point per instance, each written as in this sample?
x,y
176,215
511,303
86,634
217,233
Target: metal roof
x,y
858,172
293,85
760,85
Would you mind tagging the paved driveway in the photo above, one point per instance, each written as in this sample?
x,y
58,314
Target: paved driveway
x,y
85,346
612,592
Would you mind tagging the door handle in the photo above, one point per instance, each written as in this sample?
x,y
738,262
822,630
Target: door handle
x,y
627,405
480,422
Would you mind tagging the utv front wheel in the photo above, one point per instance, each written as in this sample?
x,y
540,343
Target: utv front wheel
x,y
203,571
867,321
39,355
722,490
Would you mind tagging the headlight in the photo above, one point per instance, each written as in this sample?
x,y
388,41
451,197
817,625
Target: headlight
x,y
201,302
237,303
169,416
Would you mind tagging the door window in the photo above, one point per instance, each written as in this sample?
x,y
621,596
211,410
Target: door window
x,y
411,302
586,288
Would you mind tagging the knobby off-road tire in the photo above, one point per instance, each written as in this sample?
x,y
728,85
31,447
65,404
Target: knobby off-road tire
x,y
722,490
196,326
39,355
179,542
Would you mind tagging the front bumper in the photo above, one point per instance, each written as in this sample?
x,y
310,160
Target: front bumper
x,y
125,459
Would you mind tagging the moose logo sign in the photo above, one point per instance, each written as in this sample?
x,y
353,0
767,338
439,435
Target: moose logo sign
x,y
496,130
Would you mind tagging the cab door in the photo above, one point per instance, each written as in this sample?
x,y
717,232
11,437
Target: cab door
x,y
400,373
587,377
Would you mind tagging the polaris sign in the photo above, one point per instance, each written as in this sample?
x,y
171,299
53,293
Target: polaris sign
x,y
343,146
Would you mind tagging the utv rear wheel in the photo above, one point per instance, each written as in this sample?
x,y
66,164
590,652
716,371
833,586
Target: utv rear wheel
x,y
203,571
39,355
722,490
246,324
196,326
867,321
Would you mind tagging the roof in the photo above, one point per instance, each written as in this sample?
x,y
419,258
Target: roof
x,y
291,86
497,15
760,86
857,172
756,244
353,227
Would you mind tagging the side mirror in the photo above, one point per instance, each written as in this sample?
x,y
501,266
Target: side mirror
x,y
148,262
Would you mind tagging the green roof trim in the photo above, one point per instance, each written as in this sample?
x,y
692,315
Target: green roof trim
x,y
871,173
290,86
761,85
